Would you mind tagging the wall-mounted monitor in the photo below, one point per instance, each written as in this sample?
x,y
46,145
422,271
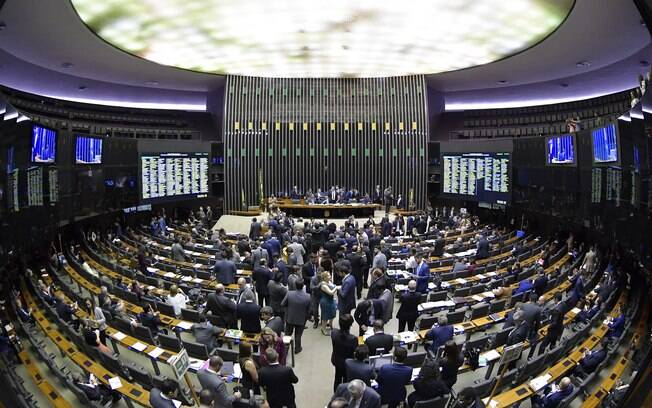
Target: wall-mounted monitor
x,y
637,160
44,145
88,150
560,150
605,144
484,177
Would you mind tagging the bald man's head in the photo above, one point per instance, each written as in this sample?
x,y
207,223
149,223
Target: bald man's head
x,y
219,288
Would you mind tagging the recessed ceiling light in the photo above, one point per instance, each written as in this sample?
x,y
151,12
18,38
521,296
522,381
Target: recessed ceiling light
x,y
564,85
67,65
82,87
583,64
502,82
644,63
3,25
151,83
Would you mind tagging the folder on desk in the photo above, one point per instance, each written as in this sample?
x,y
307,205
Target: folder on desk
x,y
496,317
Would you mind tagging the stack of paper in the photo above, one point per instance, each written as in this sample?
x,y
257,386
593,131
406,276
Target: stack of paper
x,y
156,352
461,281
477,298
118,336
170,275
115,383
538,383
138,346
185,325
151,270
490,355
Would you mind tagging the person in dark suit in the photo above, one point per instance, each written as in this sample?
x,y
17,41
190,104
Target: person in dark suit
x,y
163,397
440,333
378,284
333,246
66,311
225,270
255,229
554,332
205,333
428,384
553,399
278,381
249,314
223,308
616,326
540,283
346,292
482,248
310,269
422,273
297,303
261,276
408,311
379,342
520,331
358,367
392,379
591,360
273,322
357,394
344,344
450,363
211,379
366,312
357,260
468,398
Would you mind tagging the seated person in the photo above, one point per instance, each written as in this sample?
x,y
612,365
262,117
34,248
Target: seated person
x,y
66,312
150,319
95,390
379,342
358,367
428,384
440,333
25,314
92,339
616,326
552,399
468,398
591,360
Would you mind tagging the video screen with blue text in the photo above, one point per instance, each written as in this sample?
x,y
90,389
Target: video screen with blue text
x,y
560,149
44,145
88,150
605,144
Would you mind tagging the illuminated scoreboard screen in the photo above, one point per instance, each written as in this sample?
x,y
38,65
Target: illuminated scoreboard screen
x,y
166,176
484,177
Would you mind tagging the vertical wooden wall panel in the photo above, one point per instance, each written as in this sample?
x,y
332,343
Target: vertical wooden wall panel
x,y
353,153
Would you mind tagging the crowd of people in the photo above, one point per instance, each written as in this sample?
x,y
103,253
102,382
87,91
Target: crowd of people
x,y
310,273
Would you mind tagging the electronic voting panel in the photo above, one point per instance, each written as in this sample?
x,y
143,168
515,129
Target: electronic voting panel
x,y
168,176
484,177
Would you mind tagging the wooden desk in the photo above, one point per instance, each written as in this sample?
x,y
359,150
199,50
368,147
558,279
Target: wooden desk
x,y
52,395
129,391
327,210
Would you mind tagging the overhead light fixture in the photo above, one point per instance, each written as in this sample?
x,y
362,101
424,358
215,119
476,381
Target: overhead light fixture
x,y
151,83
82,88
364,38
67,65
644,63
583,64
564,85
502,82
3,25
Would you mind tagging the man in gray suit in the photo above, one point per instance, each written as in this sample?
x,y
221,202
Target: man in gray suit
x,y
211,379
225,269
297,304
258,253
277,293
298,250
178,253
206,333
245,291
358,394
532,315
163,397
